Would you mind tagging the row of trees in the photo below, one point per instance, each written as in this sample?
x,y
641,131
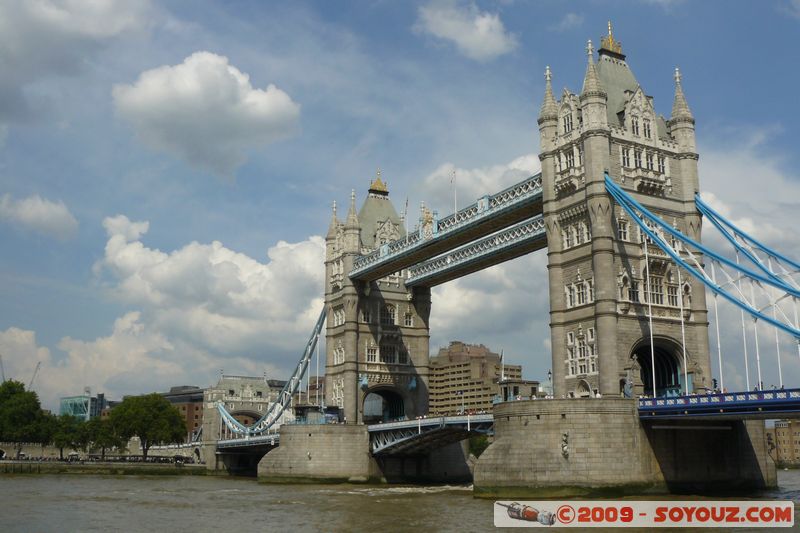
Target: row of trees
x,y
151,418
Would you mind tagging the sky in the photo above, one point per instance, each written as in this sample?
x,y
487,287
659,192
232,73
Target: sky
x,y
167,168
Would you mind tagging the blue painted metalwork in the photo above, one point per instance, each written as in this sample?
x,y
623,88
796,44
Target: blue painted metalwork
x,y
277,408
517,235
631,206
415,435
741,404
527,191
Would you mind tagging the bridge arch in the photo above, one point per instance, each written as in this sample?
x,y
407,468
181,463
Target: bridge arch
x,y
382,404
246,416
668,357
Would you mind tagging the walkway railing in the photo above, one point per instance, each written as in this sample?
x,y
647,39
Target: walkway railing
x,y
492,207
459,260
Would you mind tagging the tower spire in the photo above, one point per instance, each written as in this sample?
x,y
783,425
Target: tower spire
x,y
549,107
334,225
352,218
591,82
680,109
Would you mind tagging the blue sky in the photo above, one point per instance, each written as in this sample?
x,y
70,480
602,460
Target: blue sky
x,y
167,168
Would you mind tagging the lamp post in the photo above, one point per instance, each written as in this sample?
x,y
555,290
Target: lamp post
x,y
461,393
550,381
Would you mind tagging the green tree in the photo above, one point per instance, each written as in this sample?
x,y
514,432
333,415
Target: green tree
x,y
100,433
21,415
151,418
68,433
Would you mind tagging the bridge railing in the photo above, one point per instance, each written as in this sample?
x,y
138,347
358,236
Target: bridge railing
x,y
509,237
723,399
483,208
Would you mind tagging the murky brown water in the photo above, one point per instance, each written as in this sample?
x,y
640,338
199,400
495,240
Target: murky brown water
x,y
214,504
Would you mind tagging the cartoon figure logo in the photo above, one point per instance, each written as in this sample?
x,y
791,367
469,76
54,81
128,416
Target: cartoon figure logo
x,y
529,514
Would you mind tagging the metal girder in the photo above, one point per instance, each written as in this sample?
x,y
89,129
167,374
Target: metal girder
x,y
731,405
419,436
489,214
520,239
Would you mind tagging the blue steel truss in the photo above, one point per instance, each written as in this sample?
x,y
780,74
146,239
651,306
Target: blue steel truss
x,y
772,291
524,237
417,436
276,409
453,230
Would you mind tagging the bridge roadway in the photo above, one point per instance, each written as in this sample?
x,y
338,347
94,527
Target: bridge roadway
x,y
486,216
410,437
752,405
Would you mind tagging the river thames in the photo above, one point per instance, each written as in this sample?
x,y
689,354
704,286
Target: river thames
x,y
44,503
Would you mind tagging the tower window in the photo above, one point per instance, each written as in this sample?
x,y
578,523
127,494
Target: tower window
x,y
649,159
580,155
571,296
388,353
581,294
646,124
656,296
635,125
622,230
388,315
672,295
633,291
626,157
570,158
637,158
567,123
408,320
365,316
662,167
372,354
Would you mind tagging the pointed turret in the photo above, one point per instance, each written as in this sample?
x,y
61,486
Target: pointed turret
x,y
352,229
591,82
680,109
548,115
593,98
352,218
549,108
334,226
681,123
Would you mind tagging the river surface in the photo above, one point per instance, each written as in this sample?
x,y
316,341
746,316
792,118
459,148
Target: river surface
x,y
44,503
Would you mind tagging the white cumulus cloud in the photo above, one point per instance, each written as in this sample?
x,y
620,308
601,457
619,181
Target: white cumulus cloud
x,y
206,112
479,35
569,21
473,183
40,215
44,38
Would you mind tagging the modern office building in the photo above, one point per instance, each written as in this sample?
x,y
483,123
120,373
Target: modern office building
x,y
468,378
85,406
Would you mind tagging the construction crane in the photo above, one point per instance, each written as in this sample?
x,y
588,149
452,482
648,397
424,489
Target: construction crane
x,y
35,371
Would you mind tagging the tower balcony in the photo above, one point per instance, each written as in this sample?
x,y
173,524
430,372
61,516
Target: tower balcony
x,y
647,181
569,180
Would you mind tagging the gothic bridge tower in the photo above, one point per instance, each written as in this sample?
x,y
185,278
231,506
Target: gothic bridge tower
x,y
600,283
377,333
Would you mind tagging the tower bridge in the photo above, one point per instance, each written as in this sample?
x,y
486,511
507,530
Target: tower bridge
x,y
617,206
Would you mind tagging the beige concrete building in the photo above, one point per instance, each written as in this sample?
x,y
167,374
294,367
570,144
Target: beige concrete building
x,y
466,377
785,437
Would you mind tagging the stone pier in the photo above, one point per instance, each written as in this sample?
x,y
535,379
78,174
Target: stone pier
x,y
582,447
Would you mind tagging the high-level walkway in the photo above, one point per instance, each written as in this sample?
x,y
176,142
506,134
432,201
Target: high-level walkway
x,y
486,216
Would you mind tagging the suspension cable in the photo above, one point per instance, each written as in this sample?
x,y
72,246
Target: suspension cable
x,y
716,323
650,313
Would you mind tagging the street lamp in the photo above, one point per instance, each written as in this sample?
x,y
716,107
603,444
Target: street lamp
x,y
550,381
461,393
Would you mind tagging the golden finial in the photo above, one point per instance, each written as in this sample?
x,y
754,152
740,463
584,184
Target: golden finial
x,y
377,186
677,76
609,43
547,75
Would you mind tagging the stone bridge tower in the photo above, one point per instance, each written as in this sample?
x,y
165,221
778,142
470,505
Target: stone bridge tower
x,y
377,333
600,283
